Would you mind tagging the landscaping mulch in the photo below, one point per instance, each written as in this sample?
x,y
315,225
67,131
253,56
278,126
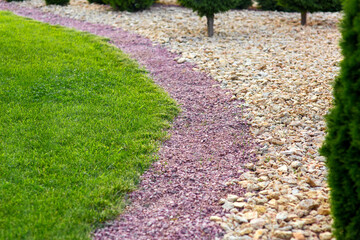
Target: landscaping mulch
x,y
209,144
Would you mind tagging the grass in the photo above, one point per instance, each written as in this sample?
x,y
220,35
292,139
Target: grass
x,y
79,123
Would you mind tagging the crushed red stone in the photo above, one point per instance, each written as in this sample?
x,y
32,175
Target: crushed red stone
x,y
208,147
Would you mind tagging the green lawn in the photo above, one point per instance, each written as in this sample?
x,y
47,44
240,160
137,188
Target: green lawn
x,y
79,123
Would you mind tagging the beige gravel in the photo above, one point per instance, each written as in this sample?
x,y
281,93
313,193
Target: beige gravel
x,y
284,72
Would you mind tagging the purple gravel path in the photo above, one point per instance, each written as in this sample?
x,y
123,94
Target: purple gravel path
x,y
209,145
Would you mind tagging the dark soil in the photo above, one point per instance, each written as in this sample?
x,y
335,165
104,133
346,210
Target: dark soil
x,y
208,146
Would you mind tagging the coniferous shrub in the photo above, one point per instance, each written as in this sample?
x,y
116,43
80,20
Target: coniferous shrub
x,y
130,5
342,144
270,5
209,8
96,1
243,4
332,6
57,2
304,6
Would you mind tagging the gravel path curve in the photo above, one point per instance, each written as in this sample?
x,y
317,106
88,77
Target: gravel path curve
x,y
209,145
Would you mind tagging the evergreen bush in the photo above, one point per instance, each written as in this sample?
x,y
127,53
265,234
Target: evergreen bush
x,y
130,5
243,4
209,8
57,2
332,6
304,6
270,5
342,144
96,1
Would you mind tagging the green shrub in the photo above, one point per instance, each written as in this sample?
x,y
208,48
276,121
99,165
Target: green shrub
x,y
96,1
57,2
304,6
332,6
271,5
209,8
243,4
130,5
342,144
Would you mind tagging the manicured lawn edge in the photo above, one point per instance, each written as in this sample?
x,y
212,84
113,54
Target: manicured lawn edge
x,y
74,119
